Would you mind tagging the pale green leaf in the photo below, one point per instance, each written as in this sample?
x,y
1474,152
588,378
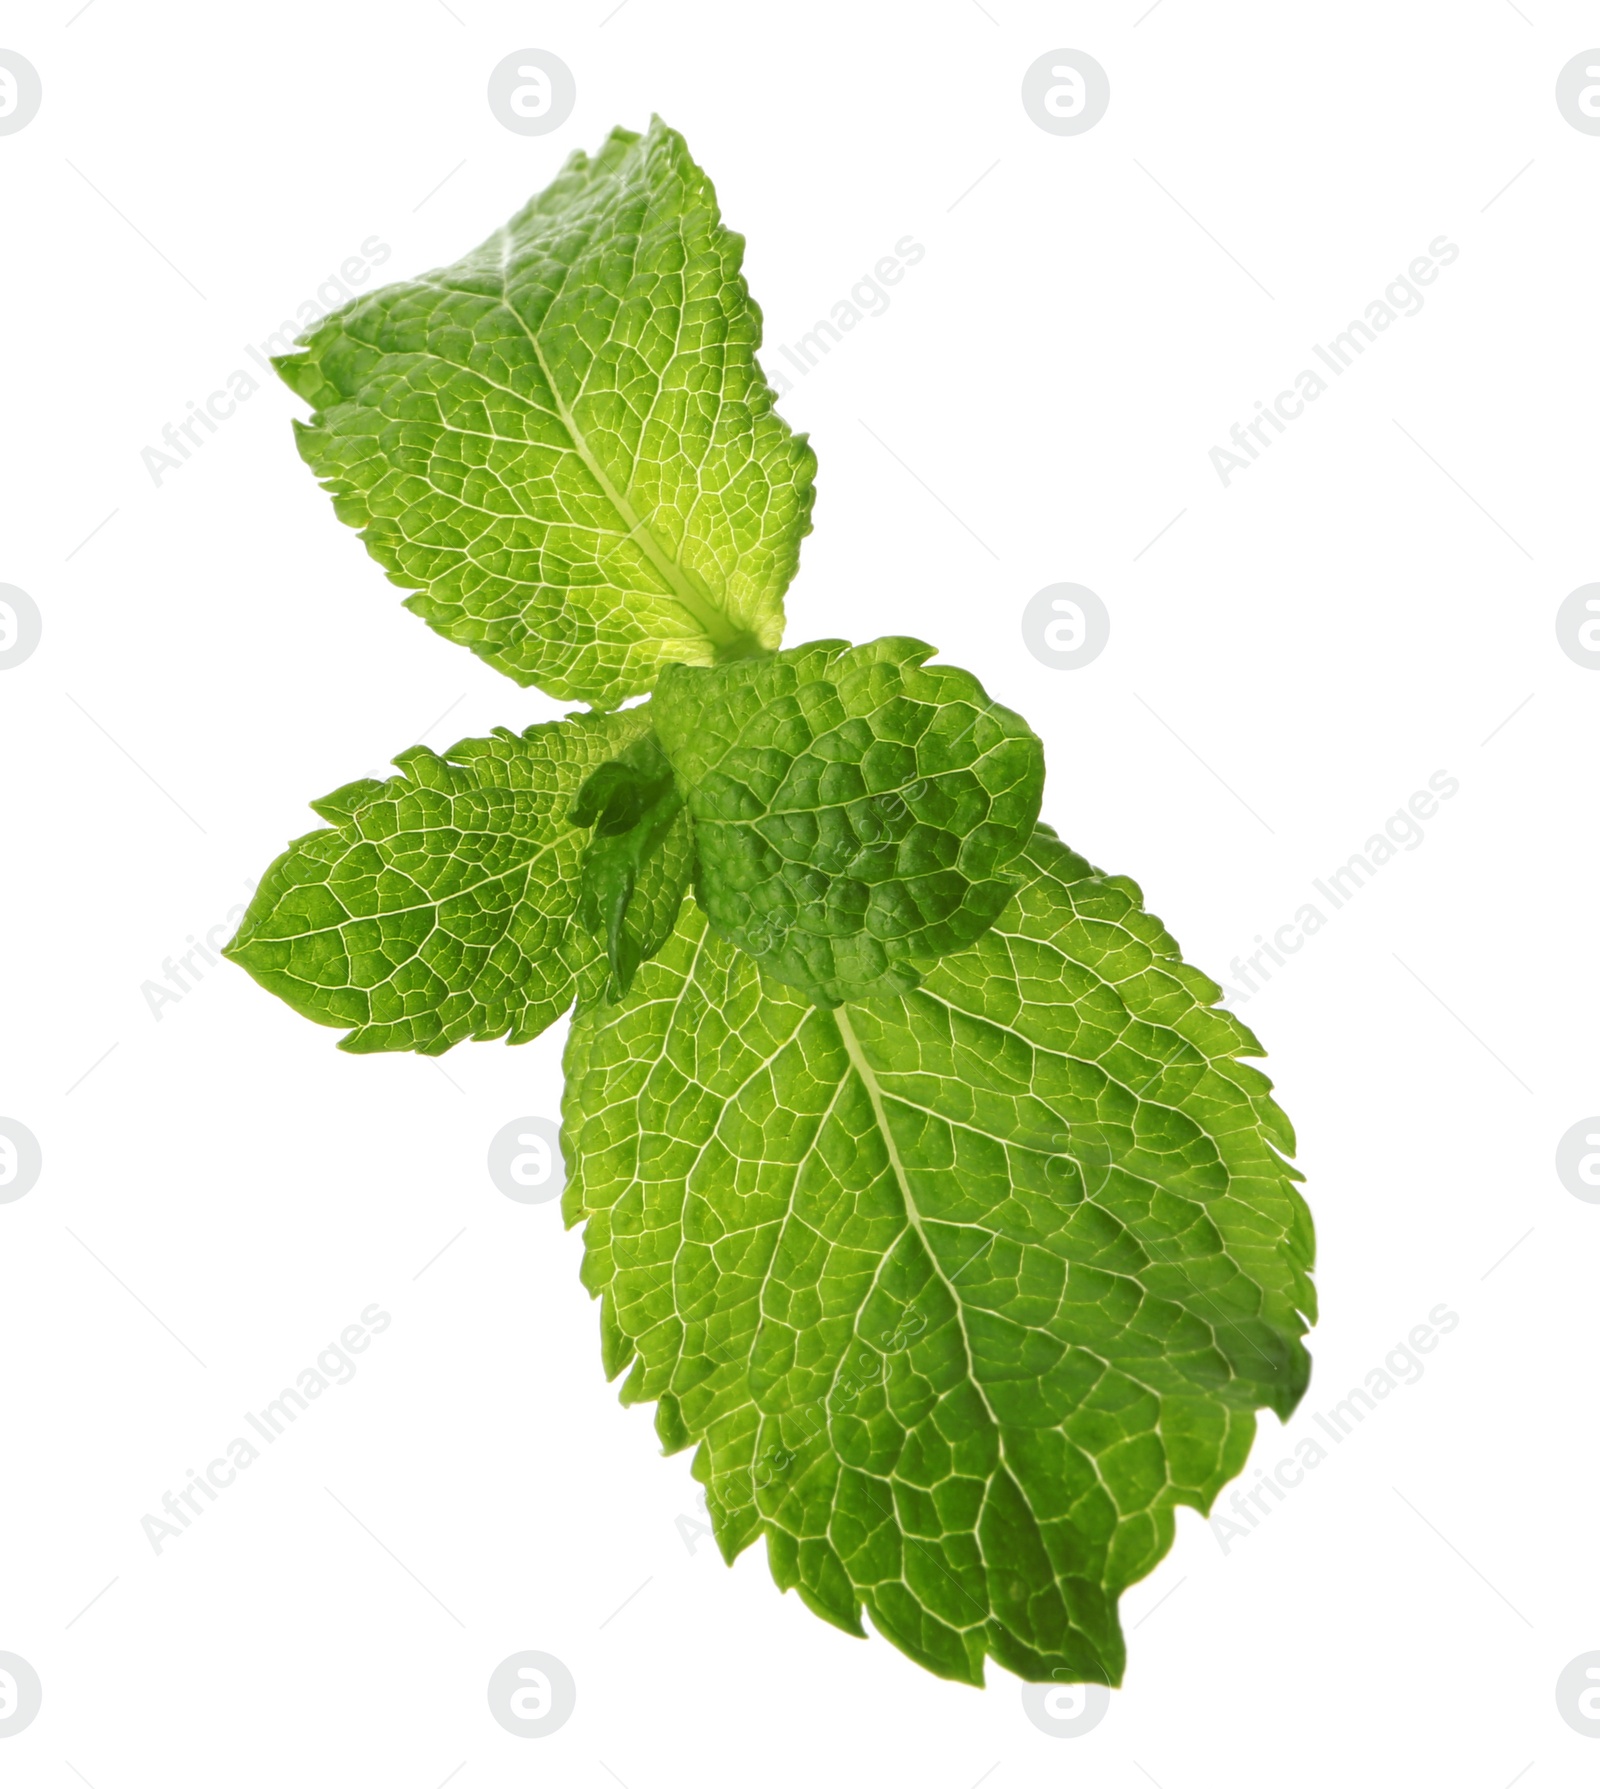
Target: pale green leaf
x,y
443,903
563,444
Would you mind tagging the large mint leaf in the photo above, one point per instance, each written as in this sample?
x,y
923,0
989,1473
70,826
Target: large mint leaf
x,y
442,904
961,1292
856,810
563,443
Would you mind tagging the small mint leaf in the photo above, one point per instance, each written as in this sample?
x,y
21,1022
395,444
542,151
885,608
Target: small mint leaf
x,y
562,444
442,904
856,809
636,868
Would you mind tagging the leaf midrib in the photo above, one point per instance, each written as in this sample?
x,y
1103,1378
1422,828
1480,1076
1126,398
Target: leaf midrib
x,y
715,623
869,1080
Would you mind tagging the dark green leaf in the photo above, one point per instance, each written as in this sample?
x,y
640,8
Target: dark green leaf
x,y
856,810
636,868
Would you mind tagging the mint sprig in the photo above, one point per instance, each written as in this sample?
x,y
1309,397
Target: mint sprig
x,y
924,1188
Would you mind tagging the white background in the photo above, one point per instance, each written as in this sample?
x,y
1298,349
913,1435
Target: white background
x,y
1294,657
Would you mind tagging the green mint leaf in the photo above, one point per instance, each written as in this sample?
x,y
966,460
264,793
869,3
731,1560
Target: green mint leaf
x,y
855,809
959,1292
442,904
636,868
563,444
